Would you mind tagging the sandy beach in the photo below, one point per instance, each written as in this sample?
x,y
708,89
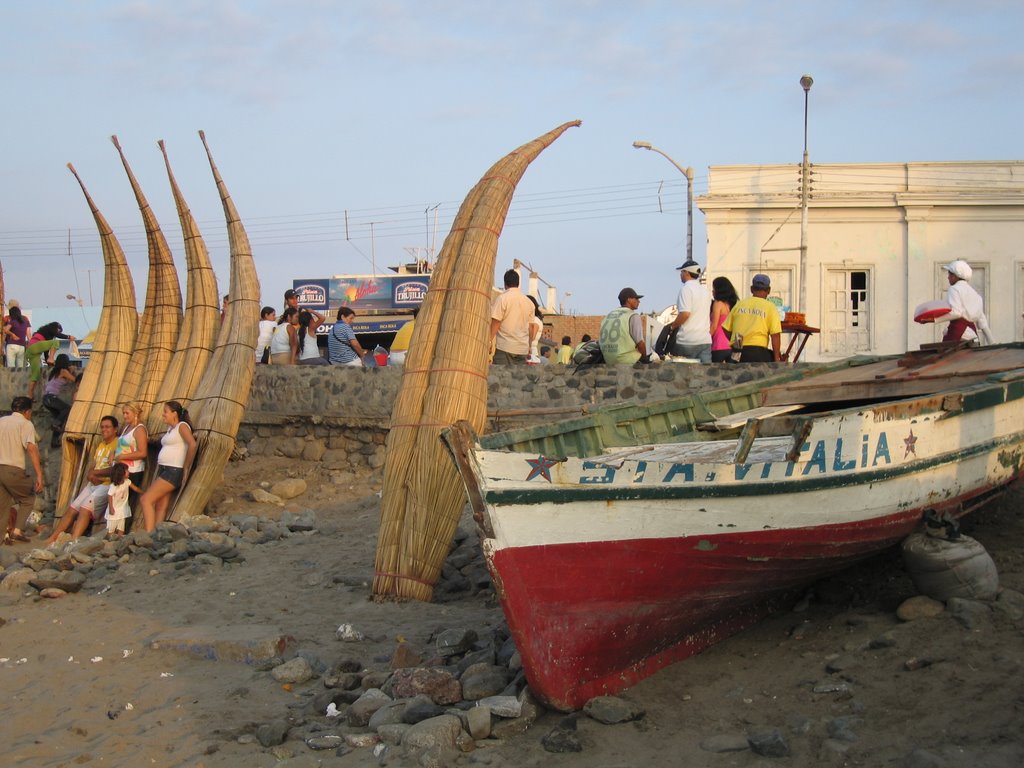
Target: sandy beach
x,y
93,678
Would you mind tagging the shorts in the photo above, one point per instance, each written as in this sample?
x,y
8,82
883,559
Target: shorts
x,y
93,499
172,475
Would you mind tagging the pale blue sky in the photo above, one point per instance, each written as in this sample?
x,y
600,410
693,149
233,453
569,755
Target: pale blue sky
x,y
387,108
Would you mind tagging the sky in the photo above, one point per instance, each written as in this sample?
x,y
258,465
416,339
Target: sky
x,y
348,133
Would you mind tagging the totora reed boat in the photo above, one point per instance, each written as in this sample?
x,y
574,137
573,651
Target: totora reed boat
x,y
637,536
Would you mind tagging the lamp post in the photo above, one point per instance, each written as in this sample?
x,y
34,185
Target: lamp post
x,y
805,177
688,173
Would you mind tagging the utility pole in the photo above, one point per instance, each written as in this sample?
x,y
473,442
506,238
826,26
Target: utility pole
x,y
805,181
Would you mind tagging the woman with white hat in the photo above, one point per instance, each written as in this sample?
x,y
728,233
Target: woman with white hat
x,y
967,319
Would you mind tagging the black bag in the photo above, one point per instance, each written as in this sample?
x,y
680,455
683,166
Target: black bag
x,y
666,341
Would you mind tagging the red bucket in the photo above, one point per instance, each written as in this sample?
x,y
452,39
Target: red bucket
x,y
381,358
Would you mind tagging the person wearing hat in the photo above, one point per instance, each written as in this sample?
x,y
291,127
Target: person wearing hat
x,y
693,316
966,318
291,299
622,331
754,322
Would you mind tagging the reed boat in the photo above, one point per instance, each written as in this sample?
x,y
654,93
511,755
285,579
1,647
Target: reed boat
x,y
626,540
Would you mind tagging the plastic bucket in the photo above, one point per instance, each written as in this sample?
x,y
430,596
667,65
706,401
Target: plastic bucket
x,y
381,358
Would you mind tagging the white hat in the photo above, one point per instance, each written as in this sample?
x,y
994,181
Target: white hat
x,y
961,269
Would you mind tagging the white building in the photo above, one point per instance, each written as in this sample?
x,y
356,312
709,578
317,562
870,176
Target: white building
x,y
878,237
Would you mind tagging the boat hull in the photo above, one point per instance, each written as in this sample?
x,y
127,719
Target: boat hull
x,y
611,567
594,618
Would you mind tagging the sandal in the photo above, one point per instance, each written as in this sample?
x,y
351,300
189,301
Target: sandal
x,y
19,537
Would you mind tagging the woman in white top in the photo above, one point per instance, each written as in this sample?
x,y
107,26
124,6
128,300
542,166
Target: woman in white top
x,y
284,344
172,464
536,330
309,352
268,322
133,446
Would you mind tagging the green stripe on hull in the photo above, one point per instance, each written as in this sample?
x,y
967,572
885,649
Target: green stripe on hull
x,y
572,494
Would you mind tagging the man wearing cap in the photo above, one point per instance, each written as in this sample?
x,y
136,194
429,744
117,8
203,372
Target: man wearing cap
x,y
693,316
622,331
511,331
967,319
755,322
291,299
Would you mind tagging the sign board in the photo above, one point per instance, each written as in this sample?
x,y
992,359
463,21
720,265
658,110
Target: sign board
x,y
380,293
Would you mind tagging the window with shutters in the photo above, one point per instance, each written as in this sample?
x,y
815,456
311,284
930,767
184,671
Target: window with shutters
x,y
848,313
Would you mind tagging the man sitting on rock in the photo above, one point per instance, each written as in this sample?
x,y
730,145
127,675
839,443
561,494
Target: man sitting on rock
x,y
91,503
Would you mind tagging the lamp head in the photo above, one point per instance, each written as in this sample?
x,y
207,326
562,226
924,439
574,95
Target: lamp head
x,y
806,82
642,144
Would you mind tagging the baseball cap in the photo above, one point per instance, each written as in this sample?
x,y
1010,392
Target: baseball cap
x,y
289,294
761,282
690,266
628,293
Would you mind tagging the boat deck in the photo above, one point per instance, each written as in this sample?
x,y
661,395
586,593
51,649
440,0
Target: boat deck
x,y
932,369
764,449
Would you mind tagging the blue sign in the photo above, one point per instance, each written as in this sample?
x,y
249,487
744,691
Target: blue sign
x,y
312,293
411,292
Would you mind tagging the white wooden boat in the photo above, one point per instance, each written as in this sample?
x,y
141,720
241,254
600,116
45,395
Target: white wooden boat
x,y
633,538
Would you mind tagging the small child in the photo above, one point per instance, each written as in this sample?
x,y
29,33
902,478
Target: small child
x,y
117,499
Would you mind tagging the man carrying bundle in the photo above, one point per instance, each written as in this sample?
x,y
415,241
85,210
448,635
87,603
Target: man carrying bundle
x,y
966,318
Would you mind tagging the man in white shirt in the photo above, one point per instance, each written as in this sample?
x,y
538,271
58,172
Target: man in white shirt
x,y
18,440
693,318
511,331
967,319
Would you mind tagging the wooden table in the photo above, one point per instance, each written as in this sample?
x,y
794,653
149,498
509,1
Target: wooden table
x,y
799,334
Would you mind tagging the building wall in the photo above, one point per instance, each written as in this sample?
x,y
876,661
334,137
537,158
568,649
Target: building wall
x,y
573,326
897,224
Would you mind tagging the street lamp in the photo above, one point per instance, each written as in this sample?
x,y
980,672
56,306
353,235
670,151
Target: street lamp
x,y
688,173
805,177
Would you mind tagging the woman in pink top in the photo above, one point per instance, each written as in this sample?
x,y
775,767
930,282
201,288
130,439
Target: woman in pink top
x,y
724,298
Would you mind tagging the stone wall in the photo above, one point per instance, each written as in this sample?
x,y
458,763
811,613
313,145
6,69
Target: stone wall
x,y
338,416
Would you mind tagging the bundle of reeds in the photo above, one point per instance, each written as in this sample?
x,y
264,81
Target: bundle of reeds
x,y
444,380
219,402
161,317
101,382
201,323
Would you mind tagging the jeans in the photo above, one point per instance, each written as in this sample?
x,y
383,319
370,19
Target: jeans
x,y
700,352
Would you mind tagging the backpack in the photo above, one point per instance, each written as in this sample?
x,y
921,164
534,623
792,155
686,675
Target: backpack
x,y
589,353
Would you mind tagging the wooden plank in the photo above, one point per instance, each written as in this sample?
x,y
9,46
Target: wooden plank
x,y
713,452
734,420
